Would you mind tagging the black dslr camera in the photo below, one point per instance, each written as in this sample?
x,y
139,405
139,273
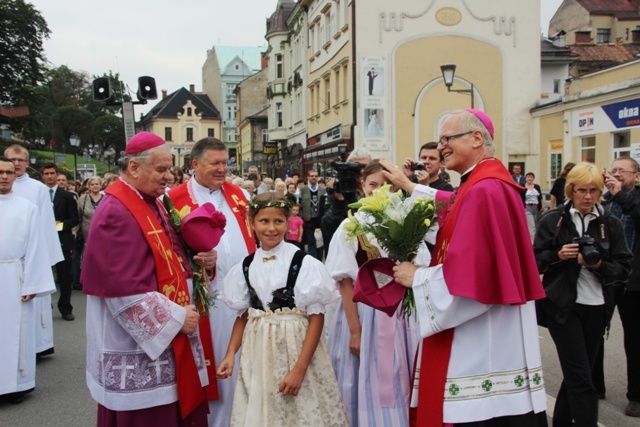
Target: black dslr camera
x,y
347,173
417,166
588,249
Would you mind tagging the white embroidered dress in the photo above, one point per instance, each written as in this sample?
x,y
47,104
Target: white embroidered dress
x,y
272,342
231,250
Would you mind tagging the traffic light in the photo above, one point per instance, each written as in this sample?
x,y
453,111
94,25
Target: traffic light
x,y
147,88
102,89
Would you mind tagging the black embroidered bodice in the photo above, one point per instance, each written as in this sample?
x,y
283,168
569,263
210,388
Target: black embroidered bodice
x,y
282,297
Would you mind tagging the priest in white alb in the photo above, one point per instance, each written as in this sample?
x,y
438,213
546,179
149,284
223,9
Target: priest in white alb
x,y
25,272
38,193
209,160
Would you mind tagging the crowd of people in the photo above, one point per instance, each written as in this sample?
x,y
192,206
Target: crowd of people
x,y
285,343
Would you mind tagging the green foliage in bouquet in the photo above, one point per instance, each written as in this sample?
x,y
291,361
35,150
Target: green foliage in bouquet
x,y
398,223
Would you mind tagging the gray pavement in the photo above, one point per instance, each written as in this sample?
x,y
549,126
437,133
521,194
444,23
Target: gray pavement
x,y
62,399
611,410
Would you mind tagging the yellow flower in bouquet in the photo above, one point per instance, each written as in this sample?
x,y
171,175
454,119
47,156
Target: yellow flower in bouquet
x,y
399,224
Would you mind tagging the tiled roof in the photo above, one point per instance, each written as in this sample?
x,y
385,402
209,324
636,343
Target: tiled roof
x,y
614,53
619,8
598,57
278,20
174,104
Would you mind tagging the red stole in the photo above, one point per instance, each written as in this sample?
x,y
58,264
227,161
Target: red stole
x,y
182,196
436,349
171,283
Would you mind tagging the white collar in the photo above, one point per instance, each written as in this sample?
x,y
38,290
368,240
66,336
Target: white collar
x,y
201,188
276,250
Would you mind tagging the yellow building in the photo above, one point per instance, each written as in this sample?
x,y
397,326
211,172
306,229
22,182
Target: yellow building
x,y
597,121
330,104
182,118
400,90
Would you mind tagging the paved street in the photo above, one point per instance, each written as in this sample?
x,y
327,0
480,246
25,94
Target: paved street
x,y
61,397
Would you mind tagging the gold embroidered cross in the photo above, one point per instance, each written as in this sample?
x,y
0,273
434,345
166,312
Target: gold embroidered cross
x,y
166,253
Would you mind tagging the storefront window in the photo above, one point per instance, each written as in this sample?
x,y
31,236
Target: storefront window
x,y
621,144
588,149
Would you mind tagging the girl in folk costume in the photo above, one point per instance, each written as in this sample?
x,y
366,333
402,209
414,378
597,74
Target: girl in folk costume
x,y
285,376
371,353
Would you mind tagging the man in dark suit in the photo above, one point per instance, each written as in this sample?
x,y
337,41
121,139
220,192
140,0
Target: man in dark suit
x,y
311,196
517,176
65,210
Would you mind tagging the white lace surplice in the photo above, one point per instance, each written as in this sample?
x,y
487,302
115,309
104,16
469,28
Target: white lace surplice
x,y
130,363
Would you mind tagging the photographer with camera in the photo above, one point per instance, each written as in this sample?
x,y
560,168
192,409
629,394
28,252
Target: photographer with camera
x,y
344,188
426,171
623,201
582,253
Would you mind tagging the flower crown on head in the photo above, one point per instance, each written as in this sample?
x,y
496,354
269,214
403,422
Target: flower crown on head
x,y
271,204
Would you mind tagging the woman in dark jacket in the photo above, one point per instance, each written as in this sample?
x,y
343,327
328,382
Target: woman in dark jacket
x,y
582,253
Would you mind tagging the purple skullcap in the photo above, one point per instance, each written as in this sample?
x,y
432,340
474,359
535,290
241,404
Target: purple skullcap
x,y
486,121
143,141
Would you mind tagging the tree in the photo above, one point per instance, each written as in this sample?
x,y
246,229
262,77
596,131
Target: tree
x,y
63,86
22,58
69,120
60,87
108,131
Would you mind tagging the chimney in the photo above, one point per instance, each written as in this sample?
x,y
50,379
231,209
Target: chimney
x,y
164,94
192,88
264,63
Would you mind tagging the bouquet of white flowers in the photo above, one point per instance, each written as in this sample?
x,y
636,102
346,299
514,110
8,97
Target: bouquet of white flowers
x,y
398,223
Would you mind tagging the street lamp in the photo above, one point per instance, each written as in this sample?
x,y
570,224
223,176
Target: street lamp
x,y
74,140
448,72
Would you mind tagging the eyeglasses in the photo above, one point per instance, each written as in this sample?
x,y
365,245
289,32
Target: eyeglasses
x,y
18,160
615,171
444,140
583,191
8,173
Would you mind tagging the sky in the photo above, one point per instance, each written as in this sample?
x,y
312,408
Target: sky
x,y
165,39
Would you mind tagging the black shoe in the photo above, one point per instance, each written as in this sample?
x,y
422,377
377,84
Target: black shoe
x,y
68,316
77,287
602,396
46,352
16,397
633,409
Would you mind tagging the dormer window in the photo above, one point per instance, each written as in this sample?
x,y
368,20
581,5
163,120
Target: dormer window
x,y
604,35
189,112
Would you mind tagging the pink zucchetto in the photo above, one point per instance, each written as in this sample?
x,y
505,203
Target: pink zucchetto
x,y
143,141
486,121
